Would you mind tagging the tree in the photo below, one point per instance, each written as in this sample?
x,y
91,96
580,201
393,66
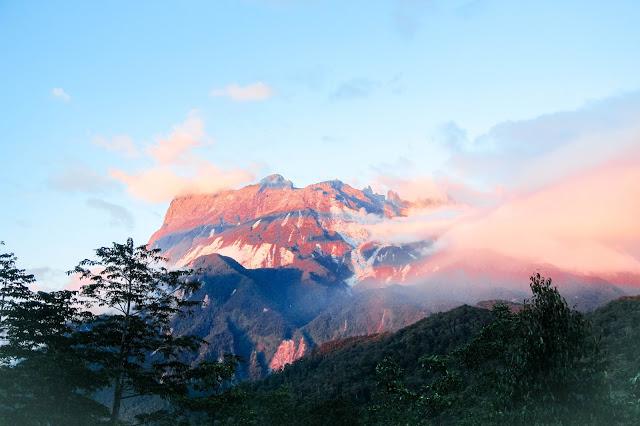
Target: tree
x,y
541,365
140,354
45,377
556,362
207,400
14,284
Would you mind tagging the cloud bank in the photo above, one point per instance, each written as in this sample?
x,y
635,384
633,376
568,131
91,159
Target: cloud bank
x,y
562,189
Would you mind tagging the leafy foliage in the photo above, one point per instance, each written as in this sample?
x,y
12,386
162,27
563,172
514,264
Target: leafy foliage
x,y
541,365
57,354
139,353
338,383
204,400
45,374
14,286
618,324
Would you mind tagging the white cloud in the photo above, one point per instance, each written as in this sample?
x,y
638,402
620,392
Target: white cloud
x,y
162,183
122,144
528,154
253,92
354,89
59,93
118,215
80,179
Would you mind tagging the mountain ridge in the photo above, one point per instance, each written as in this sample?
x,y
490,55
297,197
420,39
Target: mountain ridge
x,y
288,269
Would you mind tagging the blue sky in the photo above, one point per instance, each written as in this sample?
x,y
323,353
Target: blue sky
x,y
356,90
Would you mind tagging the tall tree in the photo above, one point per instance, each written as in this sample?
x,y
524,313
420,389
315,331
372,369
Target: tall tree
x,y
140,297
14,284
542,365
208,398
45,373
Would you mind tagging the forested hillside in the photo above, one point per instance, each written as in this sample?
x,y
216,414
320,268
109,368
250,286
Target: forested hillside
x,y
343,372
544,363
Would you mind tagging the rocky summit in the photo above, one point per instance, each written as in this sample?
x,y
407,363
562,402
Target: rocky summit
x,y
320,229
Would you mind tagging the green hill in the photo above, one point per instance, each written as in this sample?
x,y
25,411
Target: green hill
x,y
338,384
618,325
337,381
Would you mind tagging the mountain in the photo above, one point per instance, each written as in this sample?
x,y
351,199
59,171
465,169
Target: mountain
x,y
272,317
276,260
325,231
317,229
287,269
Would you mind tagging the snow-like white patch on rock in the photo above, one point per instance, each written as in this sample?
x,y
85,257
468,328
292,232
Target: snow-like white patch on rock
x,y
201,250
286,256
362,267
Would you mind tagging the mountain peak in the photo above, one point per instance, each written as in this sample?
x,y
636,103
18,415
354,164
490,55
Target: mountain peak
x,y
217,263
275,181
336,184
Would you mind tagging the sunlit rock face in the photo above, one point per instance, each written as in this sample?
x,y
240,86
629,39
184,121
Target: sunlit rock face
x,y
279,264
321,229
289,351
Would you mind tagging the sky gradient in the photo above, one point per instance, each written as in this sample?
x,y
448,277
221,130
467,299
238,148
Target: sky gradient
x,y
111,109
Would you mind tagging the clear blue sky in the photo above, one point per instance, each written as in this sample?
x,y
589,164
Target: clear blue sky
x,y
355,87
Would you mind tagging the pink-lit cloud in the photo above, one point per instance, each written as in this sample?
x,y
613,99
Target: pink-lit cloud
x,y
424,223
427,191
564,191
587,223
416,189
175,168
183,138
162,183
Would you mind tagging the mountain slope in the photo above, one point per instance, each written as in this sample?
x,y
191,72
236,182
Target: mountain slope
x,y
342,373
271,317
251,312
357,357
337,382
